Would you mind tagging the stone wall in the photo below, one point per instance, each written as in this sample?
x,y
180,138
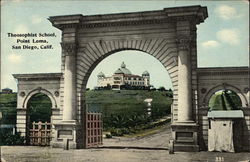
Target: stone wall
x,y
211,80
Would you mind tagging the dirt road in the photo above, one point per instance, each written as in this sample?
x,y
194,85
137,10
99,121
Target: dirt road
x,y
158,141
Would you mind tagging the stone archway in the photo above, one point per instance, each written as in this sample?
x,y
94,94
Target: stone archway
x,y
169,35
49,84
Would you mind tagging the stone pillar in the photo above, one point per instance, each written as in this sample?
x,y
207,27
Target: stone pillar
x,y
184,80
185,130
69,98
69,129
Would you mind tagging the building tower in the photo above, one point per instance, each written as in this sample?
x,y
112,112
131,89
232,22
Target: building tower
x,y
146,77
100,78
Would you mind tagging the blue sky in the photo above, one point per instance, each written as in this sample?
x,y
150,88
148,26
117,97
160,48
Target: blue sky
x,y
223,39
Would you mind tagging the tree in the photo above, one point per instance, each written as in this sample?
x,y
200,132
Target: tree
x,y
161,88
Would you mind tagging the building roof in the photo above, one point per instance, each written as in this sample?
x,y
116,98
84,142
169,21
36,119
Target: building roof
x,y
118,71
225,114
131,75
145,73
101,74
123,69
7,89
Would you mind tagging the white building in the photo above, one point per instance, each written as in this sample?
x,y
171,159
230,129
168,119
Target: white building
x,y
123,77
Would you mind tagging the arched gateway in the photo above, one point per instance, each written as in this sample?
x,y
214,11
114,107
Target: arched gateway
x,y
169,35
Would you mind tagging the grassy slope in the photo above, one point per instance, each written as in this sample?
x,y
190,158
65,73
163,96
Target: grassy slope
x,y
109,102
126,101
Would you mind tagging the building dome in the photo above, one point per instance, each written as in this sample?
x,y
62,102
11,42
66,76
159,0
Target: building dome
x,y
123,70
145,73
101,74
119,71
123,65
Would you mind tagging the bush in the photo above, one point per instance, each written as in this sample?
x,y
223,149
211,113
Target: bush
x,y
7,138
116,132
138,128
108,135
119,131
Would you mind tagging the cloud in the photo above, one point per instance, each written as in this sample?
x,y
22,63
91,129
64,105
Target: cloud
x,y
227,12
14,58
230,36
35,19
21,29
210,44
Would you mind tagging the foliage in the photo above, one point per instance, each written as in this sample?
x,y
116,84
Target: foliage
x,y
7,138
39,108
108,135
225,100
123,121
138,128
8,103
126,108
161,88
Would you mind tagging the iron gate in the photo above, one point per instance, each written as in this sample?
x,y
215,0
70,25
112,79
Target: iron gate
x,y
40,134
94,127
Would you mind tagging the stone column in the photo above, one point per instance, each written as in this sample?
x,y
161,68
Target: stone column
x,y
69,128
69,98
184,80
185,130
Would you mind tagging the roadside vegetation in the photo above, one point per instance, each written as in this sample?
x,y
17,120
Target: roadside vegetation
x,y
39,108
125,112
8,103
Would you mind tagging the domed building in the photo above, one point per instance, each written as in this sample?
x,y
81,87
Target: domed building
x,y
123,77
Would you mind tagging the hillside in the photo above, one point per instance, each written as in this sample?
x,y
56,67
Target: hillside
x,y
128,102
125,102
8,108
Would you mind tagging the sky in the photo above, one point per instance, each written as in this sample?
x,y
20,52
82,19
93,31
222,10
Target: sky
x,y
222,40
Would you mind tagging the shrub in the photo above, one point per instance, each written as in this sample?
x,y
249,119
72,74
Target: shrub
x,y
108,135
116,132
7,138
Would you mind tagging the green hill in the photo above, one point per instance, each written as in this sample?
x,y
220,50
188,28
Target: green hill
x,y
129,102
125,110
8,104
124,103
